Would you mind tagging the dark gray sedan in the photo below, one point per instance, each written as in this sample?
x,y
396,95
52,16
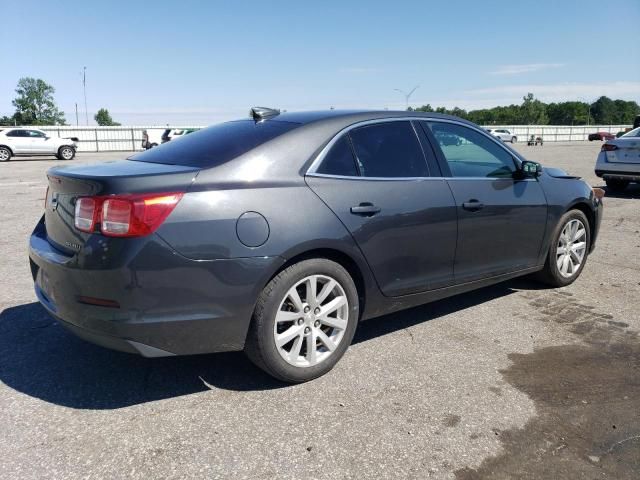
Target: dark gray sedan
x,y
279,233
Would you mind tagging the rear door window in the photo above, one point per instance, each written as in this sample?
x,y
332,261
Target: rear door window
x,y
216,145
339,160
389,150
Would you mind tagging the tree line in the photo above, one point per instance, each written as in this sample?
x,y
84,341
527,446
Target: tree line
x,y
604,111
35,105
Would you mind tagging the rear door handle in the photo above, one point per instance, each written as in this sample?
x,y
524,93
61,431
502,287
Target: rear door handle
x,y
473,205
365,209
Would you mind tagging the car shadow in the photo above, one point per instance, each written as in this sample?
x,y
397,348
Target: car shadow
x,y
39,358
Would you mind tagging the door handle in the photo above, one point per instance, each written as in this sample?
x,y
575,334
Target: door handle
x,y
365,209
473,205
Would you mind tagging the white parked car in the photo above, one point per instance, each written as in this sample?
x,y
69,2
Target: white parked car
x,y
619,161
503,134
29,141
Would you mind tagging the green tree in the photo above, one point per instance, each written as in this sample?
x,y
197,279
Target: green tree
x,y
34,103
568,113
103,118
533,111
603,111
7,121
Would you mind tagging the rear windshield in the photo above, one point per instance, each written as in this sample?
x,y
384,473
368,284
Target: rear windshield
x,y
215,145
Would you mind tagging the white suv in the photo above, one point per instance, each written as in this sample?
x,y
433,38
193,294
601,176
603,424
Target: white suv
x,y
28,141
504,135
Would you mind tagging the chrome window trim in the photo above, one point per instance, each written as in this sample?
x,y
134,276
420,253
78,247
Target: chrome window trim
x,y
311,171
386,179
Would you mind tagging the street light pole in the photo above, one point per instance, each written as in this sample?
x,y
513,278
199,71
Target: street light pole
x,y
407,95
84,87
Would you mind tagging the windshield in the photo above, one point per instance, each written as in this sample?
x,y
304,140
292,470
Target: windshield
x,y
215,145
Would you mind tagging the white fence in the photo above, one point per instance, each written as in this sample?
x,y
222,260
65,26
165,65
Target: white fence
x,y
112,139
558,133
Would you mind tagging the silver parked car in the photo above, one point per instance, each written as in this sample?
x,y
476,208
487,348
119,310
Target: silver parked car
x,y
619,161
503,134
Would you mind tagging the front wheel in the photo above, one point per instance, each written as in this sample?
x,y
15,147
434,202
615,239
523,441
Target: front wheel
x,y
304,321
5,154
568,250
514,139
66,153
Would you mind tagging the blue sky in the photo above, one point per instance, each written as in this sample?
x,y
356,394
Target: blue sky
x,y
191,62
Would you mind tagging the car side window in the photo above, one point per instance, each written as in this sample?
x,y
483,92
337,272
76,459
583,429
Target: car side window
x,y
14,133
35,134
339,160
470,153
389,150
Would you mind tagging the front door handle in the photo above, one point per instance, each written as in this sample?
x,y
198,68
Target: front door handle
x,y
473,205
365,209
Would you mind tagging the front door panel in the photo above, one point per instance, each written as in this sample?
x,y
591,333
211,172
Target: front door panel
x,y
501,224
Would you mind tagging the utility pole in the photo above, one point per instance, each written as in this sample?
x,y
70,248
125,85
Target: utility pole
x,y
407,95
84,87
77,114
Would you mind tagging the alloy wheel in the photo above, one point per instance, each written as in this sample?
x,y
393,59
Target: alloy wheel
x,y
571,249
66,153
4,155
311,321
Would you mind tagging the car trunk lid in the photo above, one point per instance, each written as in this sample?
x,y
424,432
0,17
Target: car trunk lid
x,y
627,151
66,184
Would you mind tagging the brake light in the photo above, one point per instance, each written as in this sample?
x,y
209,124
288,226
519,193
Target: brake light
x,y
608,147
85,216
131,215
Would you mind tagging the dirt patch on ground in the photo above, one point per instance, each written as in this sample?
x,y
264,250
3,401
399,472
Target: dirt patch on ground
x,y
587,397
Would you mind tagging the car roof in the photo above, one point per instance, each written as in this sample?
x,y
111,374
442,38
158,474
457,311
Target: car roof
x,y
350,116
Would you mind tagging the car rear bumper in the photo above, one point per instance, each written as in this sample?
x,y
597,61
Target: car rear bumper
x,y
616,170
157,303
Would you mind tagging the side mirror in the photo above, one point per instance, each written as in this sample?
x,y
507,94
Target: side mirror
x,y
529,169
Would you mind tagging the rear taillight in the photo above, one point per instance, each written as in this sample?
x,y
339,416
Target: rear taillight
x,y
85,217
133,215
608,147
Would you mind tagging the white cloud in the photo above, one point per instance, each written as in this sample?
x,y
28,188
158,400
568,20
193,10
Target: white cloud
x,y
525,68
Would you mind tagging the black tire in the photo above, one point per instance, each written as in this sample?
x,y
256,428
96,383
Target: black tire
x,y
550,274
5,154
66,153
260,345
514,139
616,185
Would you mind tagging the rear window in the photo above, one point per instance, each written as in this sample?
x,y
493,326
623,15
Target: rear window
x,y
215,145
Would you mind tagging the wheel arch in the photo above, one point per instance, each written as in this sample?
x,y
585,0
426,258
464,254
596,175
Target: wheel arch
x,y
341,258
584,207
8,148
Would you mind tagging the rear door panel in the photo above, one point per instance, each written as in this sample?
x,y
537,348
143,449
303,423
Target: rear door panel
x,y
410,243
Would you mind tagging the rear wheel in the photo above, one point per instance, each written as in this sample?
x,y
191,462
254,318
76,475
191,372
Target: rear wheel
x,y
5,154
568,250
66,153
304,321
616,185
